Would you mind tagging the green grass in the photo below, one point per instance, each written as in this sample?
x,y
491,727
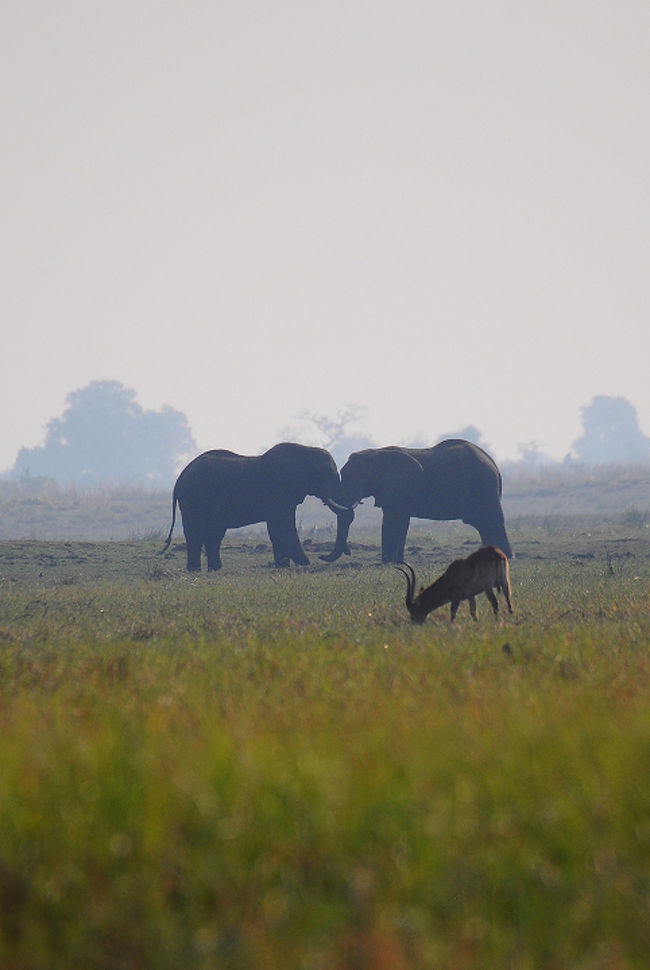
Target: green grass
x,y
276,769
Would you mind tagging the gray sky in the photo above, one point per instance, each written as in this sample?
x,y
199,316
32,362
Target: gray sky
x,y
439,211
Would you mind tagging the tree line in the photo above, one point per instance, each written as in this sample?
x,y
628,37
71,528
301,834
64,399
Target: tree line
x,y
105,437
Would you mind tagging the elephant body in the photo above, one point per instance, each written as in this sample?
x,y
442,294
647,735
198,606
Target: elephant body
x,y
453,480
221,490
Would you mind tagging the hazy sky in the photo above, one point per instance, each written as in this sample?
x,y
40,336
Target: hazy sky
x,y
439,211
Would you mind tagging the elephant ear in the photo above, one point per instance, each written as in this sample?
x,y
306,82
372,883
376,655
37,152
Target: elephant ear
x,y
285,472
399,476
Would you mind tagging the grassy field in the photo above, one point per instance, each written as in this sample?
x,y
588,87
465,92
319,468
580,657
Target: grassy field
x,y
266,769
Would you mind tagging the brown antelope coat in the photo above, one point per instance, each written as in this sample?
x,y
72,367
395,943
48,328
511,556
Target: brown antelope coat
x,y
482,572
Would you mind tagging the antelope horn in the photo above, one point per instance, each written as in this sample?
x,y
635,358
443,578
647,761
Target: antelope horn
x,y
410,581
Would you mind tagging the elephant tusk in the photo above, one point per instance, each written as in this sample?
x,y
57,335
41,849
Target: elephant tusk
x,y
335,507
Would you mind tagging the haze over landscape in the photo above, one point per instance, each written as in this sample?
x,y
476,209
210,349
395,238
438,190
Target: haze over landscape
x,y
439,213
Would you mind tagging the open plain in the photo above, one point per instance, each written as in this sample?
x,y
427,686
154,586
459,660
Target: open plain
x,y
267,768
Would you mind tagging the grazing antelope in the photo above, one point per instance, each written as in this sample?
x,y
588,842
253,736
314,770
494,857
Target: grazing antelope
x,y
485,570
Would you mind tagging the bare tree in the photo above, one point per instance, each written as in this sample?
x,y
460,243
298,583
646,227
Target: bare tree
x,y
332,432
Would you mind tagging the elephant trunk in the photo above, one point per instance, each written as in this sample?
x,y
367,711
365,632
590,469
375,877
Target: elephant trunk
x,y
345,517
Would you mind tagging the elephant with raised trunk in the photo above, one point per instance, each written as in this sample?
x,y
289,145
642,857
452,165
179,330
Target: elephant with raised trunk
x,y
221,490
453,480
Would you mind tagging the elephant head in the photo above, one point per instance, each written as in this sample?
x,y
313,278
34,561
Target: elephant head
x,y
295,471
390,475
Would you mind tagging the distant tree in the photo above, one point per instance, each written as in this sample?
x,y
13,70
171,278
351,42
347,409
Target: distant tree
x,y
104,436
531,454
611,433
331,431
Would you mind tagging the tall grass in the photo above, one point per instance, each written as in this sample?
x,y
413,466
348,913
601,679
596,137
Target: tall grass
x,y
268,769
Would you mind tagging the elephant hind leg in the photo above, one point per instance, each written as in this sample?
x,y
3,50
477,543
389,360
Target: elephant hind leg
x,y
193,544
193,559
490,525
394,527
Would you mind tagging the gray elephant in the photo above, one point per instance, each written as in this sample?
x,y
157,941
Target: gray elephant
x,y
221,490
453,480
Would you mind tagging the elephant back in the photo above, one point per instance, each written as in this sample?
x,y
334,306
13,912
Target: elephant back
x,y
461,465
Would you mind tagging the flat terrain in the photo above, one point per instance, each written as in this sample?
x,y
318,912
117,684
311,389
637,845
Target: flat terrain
x,y
268,768
44,510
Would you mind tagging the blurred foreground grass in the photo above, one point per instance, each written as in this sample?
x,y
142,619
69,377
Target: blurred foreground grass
x,y
264,769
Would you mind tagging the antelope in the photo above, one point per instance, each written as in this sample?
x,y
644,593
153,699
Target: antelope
x,y
485,570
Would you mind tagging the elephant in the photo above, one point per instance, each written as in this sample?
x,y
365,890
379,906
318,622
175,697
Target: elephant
x,y
453,480
221,490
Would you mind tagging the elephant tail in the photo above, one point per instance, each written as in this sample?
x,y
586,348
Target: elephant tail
x,y
169,537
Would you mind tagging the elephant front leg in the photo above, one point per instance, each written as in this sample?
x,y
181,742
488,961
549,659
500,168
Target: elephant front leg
x,y
284,539
394,527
